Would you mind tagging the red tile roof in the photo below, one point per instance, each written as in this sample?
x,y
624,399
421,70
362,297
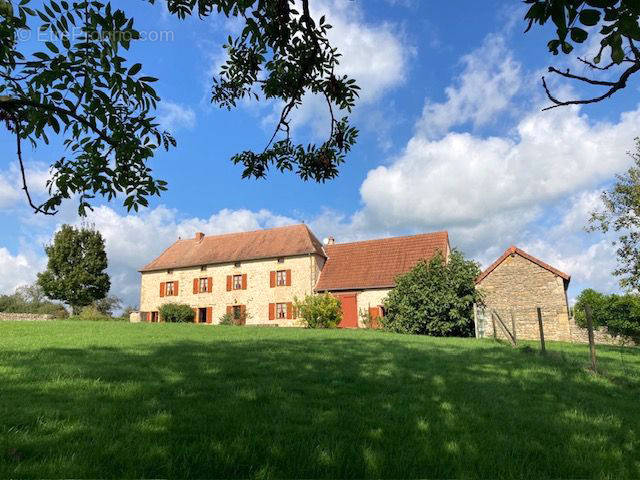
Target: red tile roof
x,y
377,263
513,250
235,247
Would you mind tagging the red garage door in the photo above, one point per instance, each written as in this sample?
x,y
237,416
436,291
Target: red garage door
x,y
349,310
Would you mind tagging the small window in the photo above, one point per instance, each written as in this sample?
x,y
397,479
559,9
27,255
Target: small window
x,y
237,282
169,289
281,278
237,312
237,264
203,268
281,260
154,317
169,272
281,310
204,285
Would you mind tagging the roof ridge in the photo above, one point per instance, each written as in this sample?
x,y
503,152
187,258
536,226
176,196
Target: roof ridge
x,y
512,250
401,237
247,231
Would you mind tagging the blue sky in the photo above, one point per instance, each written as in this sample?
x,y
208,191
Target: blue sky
x,y
452,138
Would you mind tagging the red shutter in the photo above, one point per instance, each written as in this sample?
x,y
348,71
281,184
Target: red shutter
x,y
210,284
244,281
229,279
272,311
243,311
289,310
209,314
162,289
374,312
195,315
175,288
272,279
149,317
288,278
229,310
195,285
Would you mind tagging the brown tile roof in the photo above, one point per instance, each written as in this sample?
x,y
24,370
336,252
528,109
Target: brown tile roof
x,y
512,250
235,247
376,263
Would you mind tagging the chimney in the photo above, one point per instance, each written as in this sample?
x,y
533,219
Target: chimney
x,y
199,236
331,241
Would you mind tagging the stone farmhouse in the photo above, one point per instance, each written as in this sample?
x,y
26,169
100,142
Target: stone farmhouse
x,y
255,276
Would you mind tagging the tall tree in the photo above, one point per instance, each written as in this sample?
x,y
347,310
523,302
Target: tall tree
x,y
83,88
75,272
615,22
621,213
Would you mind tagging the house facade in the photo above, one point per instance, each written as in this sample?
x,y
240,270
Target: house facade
x,y
361,274
253,276
514,286
256,276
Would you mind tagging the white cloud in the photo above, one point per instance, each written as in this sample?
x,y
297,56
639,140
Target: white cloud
x,y
11,194
19,269
490,79
173,116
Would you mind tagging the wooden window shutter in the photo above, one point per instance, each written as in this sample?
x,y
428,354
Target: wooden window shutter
x,y
162,289
374,312
209,314
149,317
175,288
195,315
229,279
289,310
195,285
244,281
229,310
243,311
210,284
272,311
288,278
272,279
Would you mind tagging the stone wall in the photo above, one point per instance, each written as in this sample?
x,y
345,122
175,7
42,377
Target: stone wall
x,y
370,298
518,286
26,317
257,296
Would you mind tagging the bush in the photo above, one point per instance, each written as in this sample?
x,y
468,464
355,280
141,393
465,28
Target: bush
x,y
176,313
31,299
93,314
434,298
620,314
319,311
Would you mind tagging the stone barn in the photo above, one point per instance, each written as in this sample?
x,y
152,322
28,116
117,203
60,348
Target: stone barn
x,y
513,286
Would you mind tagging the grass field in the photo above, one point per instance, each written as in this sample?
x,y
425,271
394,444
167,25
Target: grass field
x,y
119,400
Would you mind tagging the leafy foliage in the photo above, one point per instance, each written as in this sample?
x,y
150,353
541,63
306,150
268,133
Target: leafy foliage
x,y
434,298
107,305
31,299
75,271
83,87
621,213
319,311
615,21
176,313
620,314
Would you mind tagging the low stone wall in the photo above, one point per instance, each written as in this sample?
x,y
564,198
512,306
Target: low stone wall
x,y
134,317
25,317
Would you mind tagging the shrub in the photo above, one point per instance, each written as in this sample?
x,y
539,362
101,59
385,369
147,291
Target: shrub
x,y
176,313
93,314
620,314
434,298
31,299
367,319
319,311
226,319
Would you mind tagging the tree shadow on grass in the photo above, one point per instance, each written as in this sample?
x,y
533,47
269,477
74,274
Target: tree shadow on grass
x,y
309,408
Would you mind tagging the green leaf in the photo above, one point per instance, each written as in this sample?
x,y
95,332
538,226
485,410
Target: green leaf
x,y
589,17
135,69
578,35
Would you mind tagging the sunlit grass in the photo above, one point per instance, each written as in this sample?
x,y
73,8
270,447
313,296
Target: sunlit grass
x,y
88,399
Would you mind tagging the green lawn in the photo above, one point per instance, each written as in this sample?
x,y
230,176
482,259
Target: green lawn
x,y
120,400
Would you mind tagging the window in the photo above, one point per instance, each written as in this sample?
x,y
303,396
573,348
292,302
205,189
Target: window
x,y
237,312
237,282
281,278
237,264
203,268
169,272
204,285
170,289
281,260
154,317
281,310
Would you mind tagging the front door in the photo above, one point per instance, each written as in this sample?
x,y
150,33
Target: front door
x,y
349,310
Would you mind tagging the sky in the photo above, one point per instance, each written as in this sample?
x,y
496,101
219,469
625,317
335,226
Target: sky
x,y
452,137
